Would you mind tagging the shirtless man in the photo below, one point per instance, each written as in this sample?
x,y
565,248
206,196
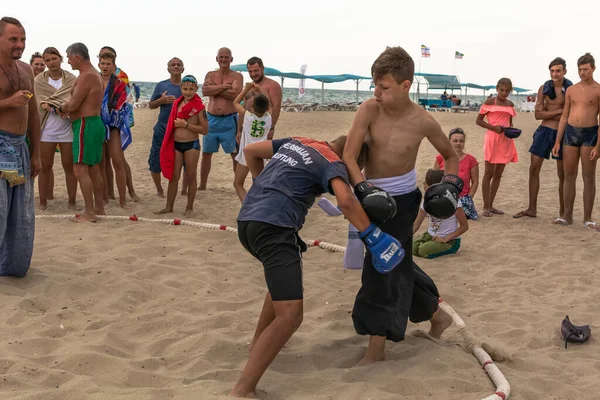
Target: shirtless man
x,y
548,108
269,87
89,131
18,117
222,87
393,128
578,133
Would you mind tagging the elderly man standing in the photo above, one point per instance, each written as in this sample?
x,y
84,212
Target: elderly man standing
x,y
222,87
164,96
18,117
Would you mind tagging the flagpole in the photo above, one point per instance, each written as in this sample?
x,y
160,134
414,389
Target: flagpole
x,y
419,80
453,75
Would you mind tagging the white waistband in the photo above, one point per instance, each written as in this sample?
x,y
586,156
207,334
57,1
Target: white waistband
x,y
397,185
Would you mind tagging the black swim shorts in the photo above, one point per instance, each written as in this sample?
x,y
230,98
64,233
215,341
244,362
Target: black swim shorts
x,y
578,137
280,251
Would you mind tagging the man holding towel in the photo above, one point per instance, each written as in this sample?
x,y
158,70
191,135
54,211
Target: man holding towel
x,y
115,116
548,109
18,167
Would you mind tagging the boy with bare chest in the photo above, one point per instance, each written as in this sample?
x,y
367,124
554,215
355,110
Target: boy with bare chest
x,y
181,143
393,127
578,132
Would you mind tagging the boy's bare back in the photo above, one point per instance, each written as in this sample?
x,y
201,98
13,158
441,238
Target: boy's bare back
x,y
584,102
394,138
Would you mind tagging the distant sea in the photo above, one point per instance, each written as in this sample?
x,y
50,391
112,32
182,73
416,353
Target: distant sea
x,y
314,95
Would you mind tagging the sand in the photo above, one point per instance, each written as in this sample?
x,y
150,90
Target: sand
x,y
127,310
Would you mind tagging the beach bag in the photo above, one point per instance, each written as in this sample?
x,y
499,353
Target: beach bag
x,y
511,133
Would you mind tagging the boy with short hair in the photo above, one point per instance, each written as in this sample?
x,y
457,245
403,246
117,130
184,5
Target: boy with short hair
x,y
181,143
578,132
254,127
394,128
271,216
115,115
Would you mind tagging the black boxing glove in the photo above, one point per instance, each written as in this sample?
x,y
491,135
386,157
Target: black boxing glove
x,y
441,199
377,203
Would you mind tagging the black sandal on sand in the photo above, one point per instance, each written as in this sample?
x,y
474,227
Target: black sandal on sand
x,y
487,214
523,213
496,211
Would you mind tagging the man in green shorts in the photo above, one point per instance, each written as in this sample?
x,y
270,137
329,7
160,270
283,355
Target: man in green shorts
x,y
89,131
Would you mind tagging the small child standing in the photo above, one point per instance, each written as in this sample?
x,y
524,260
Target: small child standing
x,y
443,235
498,150
253,127
181,144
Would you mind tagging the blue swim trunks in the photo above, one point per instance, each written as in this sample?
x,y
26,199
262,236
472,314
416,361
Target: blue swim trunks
x,y
578,137
543,142
221,130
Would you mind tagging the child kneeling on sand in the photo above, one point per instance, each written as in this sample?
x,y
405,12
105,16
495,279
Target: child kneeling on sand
x,y
443,235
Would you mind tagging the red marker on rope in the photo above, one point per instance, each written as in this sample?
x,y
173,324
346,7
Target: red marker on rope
x,y
222,227
176,222
133,218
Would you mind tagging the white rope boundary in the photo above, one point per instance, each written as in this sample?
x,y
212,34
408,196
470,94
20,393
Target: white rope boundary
x,y
492,370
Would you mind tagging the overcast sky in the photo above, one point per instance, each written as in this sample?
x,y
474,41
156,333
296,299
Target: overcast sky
x,y
512,38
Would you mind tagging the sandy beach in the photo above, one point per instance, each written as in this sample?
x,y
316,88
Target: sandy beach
x,y
136,310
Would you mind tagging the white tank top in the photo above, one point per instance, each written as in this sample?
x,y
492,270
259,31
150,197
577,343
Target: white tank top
x,y
255,129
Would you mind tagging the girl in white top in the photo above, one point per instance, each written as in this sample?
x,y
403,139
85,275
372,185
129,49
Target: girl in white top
x,y
53,89
253,126
443,235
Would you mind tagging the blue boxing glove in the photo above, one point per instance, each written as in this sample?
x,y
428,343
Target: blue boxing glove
x,y
386,252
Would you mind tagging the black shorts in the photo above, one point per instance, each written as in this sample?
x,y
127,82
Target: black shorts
x,y
578,137
280,252
385,302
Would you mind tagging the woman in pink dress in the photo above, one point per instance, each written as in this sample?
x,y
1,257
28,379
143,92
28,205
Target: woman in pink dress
x,y
498,150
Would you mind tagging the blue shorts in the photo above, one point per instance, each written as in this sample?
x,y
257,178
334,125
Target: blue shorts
x,y
221,129
543,142
578,137
157,139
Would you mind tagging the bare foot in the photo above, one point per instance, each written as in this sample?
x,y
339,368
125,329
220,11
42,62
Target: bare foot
x,y
134,197
235,392
160,193
439,322
366,360
74,207
561,221
125,206
85,217
100,211
43,206
201,188
164,211
375,351
189,213
51,197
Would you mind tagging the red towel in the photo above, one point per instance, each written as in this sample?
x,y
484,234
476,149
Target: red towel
x,y
167,150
